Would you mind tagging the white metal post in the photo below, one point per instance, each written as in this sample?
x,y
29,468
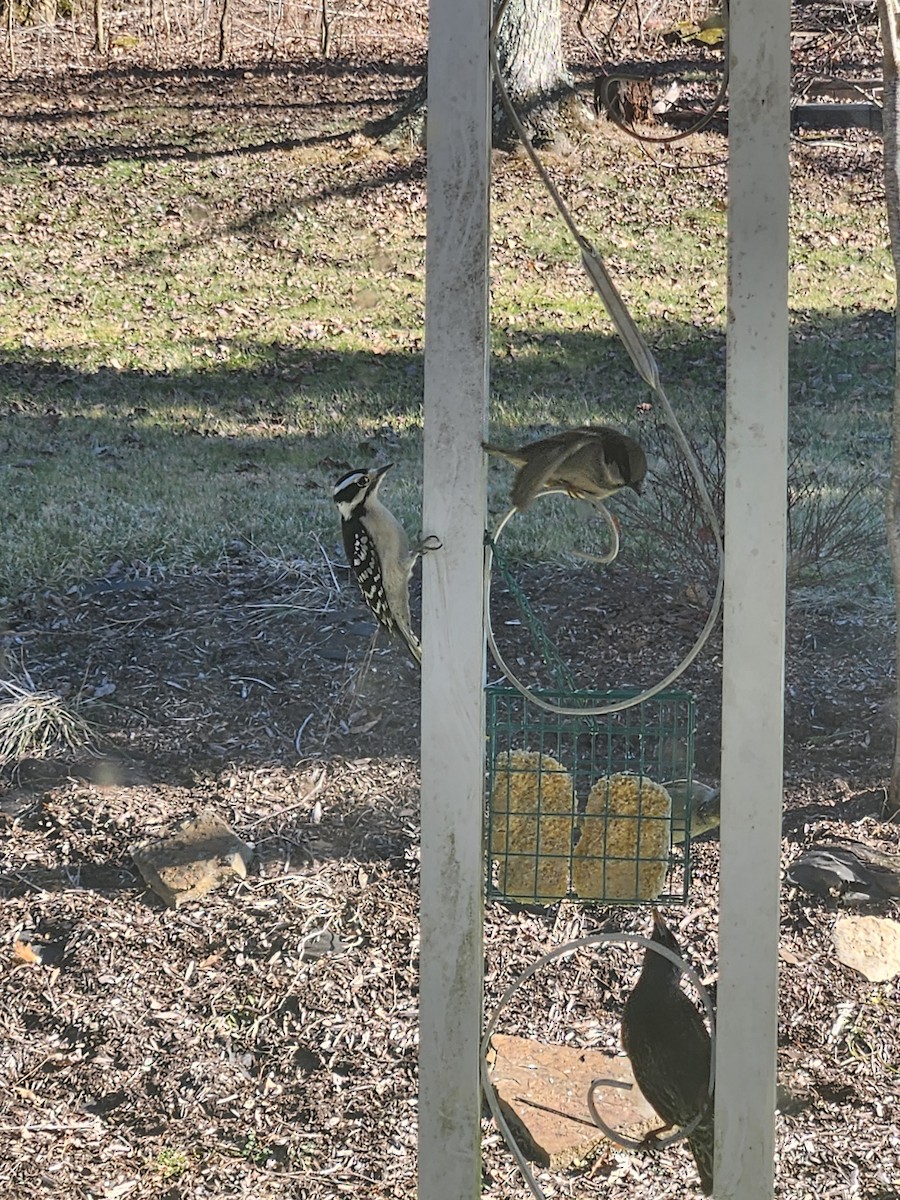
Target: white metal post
x,y
456,392
753,684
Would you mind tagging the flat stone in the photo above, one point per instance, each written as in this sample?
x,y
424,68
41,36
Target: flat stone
x,y
543,1088
202,853
870,945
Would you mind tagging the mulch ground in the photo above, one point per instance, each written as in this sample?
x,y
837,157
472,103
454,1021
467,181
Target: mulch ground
x,y
262,1041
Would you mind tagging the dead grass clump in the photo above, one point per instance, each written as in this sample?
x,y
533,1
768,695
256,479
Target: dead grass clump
x,y
34,724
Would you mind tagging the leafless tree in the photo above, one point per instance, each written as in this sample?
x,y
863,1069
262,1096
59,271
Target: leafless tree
x,y
224,31
99,28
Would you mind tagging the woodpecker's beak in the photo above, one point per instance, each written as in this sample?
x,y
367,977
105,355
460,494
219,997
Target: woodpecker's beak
x,y
637,487
381,471
659,925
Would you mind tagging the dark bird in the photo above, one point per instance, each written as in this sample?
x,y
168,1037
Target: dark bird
x,y
670,1049
705,807
849,872
590,463
378,552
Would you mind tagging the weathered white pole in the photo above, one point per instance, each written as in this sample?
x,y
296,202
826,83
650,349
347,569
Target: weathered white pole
x,y
753,685
456,392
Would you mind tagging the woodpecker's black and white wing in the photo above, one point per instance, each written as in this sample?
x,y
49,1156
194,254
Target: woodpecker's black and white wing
x,y
367,568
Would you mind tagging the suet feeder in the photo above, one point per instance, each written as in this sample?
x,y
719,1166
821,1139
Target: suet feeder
x,y
577,806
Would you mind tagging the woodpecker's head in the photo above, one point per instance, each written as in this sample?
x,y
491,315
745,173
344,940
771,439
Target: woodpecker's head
x,y
356,487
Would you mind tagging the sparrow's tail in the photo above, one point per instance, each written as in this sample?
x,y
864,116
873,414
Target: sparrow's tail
x,y
510,455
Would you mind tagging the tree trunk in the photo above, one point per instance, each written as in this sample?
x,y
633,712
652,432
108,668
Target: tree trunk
x,y
99,28
889,16
9,37
529,51
224,32
325,31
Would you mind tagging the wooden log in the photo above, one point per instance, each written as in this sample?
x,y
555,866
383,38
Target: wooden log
x,y
836,116
627,99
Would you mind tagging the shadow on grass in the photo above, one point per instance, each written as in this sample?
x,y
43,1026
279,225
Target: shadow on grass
x,y
259,375
568,375
170,93
250,452
171,466
102,153
125,79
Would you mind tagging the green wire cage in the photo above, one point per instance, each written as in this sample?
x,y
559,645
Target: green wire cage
x,y
579,807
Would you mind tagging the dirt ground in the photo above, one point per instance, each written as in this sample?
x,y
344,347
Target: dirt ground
x,y
262,1041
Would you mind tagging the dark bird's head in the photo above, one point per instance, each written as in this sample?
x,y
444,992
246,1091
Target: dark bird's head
x,y
657,966
356,487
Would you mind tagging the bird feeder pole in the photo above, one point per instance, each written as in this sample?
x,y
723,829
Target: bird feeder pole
x,y
456,394
755,523
456,382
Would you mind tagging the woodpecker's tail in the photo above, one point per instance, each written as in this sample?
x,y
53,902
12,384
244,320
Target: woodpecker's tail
x,y
413,645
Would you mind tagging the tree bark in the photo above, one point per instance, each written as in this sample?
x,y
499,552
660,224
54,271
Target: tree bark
x,y
889,16
325,31
9,36
529,51
224,32
99,28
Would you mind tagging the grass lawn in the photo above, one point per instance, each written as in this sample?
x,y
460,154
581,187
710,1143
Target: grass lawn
x,y
212,302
